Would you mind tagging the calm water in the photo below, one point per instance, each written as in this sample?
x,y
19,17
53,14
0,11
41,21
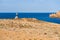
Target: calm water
x,y
40,16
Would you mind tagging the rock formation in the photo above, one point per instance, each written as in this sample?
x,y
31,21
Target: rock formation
x,y
57,15
28,29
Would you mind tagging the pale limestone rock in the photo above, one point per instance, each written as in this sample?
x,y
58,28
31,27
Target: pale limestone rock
x,y
57,15
53,16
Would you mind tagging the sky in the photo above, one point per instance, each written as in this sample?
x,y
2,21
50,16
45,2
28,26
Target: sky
x,y
29,5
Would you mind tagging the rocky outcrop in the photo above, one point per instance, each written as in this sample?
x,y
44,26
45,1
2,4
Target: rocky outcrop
x,y
28,29
57,15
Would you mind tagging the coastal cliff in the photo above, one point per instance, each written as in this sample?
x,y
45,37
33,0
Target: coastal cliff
x,y
28,29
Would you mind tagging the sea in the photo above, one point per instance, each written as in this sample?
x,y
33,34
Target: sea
x,y
39,16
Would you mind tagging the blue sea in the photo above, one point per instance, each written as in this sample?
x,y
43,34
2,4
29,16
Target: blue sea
x,y
39,16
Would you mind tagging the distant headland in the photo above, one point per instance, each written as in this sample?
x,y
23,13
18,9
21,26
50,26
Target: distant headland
x,y
56,15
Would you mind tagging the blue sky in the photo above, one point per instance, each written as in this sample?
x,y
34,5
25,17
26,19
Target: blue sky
x,y
29,5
